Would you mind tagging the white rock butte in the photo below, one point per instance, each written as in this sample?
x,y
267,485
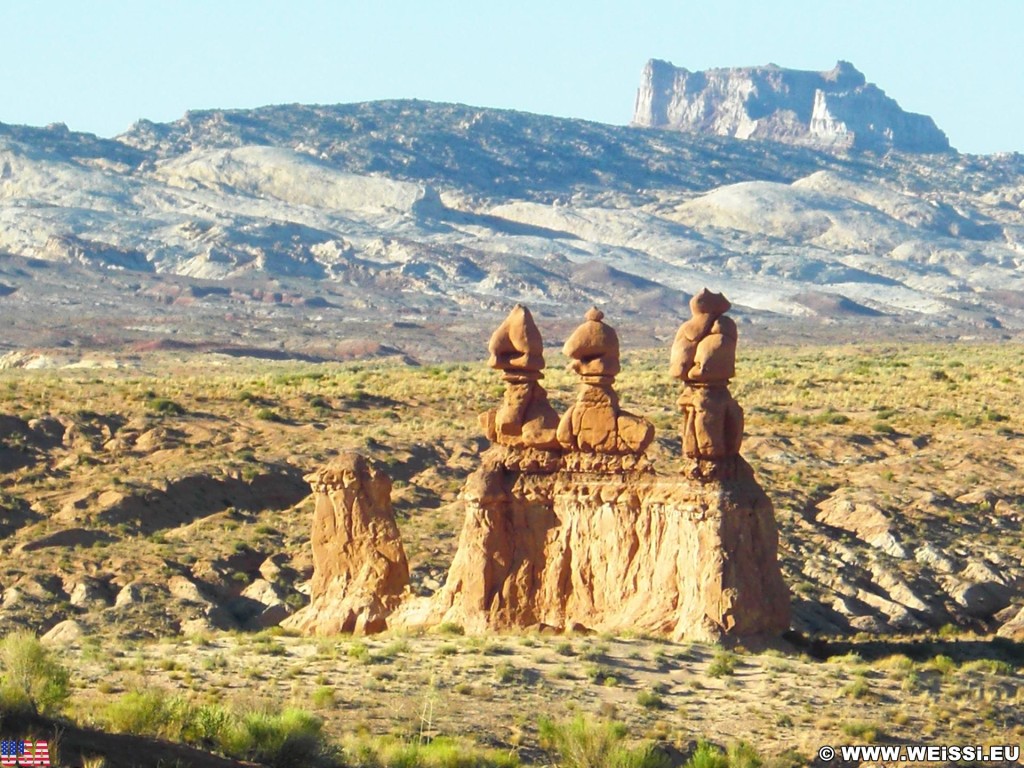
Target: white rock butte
x,y
835,110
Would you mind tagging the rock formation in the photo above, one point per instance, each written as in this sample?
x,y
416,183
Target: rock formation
x,y
595,424
574,534
606,545
615,552
525,418
704,359
837,109
360,572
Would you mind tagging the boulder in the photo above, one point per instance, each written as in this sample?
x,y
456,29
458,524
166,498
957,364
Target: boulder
x,y
64,634
260,605
861,518
1013,628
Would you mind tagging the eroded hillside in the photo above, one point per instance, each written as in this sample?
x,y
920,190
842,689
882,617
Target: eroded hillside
x,y
262,228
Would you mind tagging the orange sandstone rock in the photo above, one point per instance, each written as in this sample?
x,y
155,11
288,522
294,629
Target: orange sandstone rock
x,y
614,552
595,423
360,572
525,419
704,358
586,539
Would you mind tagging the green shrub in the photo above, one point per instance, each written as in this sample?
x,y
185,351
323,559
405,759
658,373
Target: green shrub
x,y
595,744
830,417
943,664
287,739
866,732
365,751
165,406
148,713
650,700
723,664
505,673
323,697
291,739
32,681
740,754
707,756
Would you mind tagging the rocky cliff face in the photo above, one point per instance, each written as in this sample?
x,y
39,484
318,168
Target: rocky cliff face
x,y
837,109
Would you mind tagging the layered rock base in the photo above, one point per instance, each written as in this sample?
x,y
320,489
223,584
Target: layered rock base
x,y
613,552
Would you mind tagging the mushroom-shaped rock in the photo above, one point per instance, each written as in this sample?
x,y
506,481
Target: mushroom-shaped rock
x,y
516,345
703,357
525,418
595,423
593,347
704,350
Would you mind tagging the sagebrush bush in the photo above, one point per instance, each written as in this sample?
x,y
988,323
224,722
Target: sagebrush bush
x,y
291,738
32,681
582,743
723,664
707,756
367,751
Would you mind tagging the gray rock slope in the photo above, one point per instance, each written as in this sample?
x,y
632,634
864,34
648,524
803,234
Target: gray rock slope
x,y
386,205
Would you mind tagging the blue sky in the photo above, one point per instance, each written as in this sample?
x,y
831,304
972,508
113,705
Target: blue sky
x,y
99,66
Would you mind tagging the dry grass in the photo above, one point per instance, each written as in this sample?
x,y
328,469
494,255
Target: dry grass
x,y
911,429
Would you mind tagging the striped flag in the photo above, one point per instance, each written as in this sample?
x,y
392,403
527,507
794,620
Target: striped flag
x,y
35,753
10,751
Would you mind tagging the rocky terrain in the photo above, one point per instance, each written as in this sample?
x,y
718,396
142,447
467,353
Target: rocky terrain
x,y
837,109
156,520
293,230
203,316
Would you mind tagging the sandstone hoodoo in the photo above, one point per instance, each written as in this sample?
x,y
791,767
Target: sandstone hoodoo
x,y
837,109
704,359
525,419
604,543
360,572
595,423
567,524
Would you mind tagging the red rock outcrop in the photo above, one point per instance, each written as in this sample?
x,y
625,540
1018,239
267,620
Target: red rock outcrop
x,y
360,572
573,534
603,543
624,551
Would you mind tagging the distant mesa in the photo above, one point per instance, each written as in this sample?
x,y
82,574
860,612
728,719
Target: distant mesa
x,y
833,110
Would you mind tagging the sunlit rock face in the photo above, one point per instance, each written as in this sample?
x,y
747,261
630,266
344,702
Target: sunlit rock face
x,y
837,109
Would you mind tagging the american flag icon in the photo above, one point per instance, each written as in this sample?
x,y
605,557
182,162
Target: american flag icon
x,y
10,751
36,751
19,752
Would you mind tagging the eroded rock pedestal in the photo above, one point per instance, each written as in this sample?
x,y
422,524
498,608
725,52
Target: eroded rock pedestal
x,y
616,551
360,572
596,541
567,525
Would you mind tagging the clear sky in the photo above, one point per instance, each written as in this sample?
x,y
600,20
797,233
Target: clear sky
x,y
99,65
